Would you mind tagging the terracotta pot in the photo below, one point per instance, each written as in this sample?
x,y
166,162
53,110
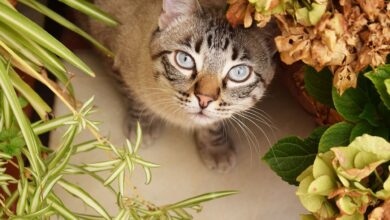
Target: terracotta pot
x,y
293,79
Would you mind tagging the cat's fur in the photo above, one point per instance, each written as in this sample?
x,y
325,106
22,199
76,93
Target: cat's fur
x,y
146,46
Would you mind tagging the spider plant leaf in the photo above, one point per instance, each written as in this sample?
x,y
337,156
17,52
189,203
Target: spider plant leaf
x,y
121,183
92,11
144,163
24,124
200,199
62,210
85,197
14,41
49,186
64,151
34,215
67,24
118,169
148,174
49,125
86,146
139,137
22,201
104,164
40,36
32,97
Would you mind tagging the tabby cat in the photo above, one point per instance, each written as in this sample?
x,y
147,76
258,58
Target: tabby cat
x,y
180,61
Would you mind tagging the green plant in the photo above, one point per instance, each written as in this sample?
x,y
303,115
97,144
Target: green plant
x,y
338,182
26,47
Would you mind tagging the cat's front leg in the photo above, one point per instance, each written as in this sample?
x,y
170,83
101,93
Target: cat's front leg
x,y
215,148
151,125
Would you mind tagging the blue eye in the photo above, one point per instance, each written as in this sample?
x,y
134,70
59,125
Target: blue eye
x,y
184,60
239,73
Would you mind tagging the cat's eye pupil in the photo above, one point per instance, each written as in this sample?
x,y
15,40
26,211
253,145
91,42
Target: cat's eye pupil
x,y
239,73
184,60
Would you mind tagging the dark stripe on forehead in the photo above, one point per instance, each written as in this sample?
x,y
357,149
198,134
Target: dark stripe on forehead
x,y
160,54
209,40
187,42
235,53
245,55
198,45
226,44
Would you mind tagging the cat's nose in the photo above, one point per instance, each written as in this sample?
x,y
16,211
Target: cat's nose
x,y
204,100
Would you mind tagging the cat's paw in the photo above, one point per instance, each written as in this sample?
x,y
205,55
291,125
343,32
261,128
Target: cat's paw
x,y
221,158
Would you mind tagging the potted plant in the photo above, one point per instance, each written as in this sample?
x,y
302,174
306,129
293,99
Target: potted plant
x,y
26,48
342,168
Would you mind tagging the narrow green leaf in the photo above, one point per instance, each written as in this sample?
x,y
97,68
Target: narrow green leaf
x,y
64,22
34,215
24,124
49,186
23,190
121,183
118,169
46,126
335,136
148,175
32,97
378,78
87,146
62,210
139,138
85,197
36,33
144,163
65,147
200,199
91,10
104,164
387,84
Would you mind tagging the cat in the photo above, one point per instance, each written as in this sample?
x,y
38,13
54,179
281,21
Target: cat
x,y
181,62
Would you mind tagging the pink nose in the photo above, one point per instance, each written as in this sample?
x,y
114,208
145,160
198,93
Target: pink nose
x,y
204,100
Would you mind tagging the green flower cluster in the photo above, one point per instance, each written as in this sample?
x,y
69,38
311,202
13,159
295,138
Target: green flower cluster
x,y
345,182
306,12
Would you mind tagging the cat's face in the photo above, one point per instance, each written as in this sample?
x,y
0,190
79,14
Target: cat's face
x,y
208,69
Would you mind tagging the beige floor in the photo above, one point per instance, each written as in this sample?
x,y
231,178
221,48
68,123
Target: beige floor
x,y
262,195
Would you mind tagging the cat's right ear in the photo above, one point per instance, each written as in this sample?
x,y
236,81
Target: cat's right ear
x,y
172,9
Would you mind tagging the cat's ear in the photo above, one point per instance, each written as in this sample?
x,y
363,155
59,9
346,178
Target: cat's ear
x,y
271,31
172,9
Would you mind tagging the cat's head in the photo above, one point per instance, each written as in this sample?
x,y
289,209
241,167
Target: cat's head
x,y
208,69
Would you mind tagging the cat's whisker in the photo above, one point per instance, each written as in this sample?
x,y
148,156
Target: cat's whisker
x,y
246,135
250,119
251,134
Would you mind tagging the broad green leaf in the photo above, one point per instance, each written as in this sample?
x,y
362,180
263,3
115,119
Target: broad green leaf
x,y
335,136
351,104
289,157
359,129
379,77
387,84
64,22
37,34
85,197
91,10
319,85
370,114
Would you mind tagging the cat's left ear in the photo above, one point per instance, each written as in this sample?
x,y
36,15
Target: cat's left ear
x,y
271,31
172,9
